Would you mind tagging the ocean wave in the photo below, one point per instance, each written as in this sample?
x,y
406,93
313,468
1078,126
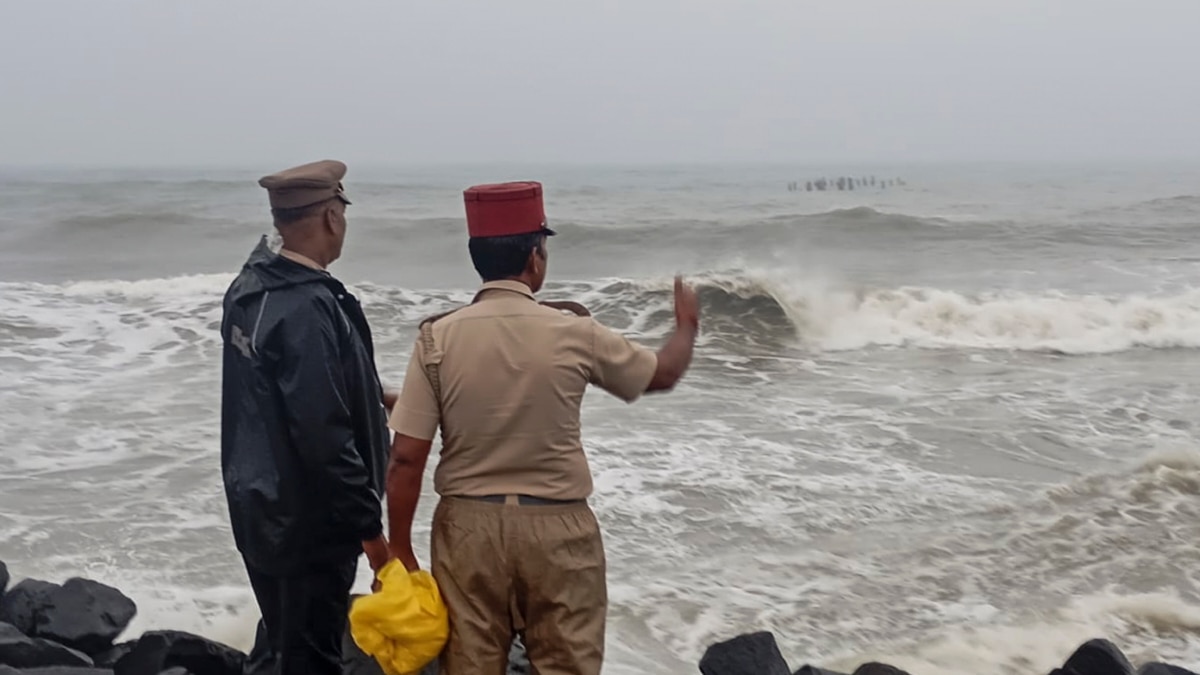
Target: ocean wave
x,y
1006,585
1179,204
121,222
837,319
870,217
767,309
1146,626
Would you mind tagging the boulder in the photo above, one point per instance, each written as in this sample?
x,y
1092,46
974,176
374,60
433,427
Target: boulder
x,y
1096,657
4,578
109,658
1155,668
813,670
85,615
21,651
19,607
878,669
157,651
748,654
56,670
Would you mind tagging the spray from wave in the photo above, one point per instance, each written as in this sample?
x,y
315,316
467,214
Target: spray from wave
x,y
824,317
759,309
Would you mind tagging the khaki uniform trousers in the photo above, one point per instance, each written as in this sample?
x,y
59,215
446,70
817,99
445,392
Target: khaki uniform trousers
x,y
508,569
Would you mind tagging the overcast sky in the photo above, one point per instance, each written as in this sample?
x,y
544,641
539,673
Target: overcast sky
x,y
270,81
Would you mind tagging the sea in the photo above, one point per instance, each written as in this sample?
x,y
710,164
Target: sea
x,y
946,421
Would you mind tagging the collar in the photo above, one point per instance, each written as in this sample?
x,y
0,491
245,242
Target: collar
x,y
302,259
505,285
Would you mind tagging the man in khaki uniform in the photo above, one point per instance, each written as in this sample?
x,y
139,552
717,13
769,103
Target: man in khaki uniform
x,y
516,549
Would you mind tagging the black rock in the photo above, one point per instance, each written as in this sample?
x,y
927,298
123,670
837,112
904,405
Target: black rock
x,y
1097,657
109,658
813,670
878,669
1156,668
21,651
57,670
4,578
21,604
749,654
85,615
177,670
157,651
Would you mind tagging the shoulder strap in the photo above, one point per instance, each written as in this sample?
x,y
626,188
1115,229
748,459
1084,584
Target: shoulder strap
x,y
567,306
427,344
431,369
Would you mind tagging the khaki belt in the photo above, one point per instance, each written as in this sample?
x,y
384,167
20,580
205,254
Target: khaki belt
x,y
523,500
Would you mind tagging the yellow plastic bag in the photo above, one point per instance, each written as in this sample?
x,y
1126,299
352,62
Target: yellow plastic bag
x,y
405,625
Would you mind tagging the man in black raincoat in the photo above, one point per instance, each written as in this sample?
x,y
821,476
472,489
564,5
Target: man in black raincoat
x,y
304,438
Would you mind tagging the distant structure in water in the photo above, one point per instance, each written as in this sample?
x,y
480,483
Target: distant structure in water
x,y
844,184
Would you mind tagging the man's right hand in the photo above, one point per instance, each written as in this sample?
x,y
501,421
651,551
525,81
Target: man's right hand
x,y
407,558
687,307
676,355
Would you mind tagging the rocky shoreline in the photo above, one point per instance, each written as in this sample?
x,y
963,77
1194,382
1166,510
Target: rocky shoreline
x,y
758,654
72,628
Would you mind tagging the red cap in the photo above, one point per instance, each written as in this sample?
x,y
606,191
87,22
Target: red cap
x,y
503,209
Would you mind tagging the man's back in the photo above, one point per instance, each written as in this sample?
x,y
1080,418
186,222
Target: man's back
x,y
303,429
513,374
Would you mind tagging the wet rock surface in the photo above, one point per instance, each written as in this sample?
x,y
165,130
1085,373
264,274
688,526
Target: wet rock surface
x,y
84,615
70,629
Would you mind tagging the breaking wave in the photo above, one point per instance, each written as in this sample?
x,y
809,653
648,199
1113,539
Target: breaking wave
x,y
764,309
830,318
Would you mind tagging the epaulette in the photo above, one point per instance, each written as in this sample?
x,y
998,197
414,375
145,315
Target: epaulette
x,y
436,317
567,306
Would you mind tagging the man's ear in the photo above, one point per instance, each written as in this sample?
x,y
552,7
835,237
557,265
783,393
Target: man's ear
x,y
330,219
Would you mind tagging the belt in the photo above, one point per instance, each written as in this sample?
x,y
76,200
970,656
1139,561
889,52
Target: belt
x,y
523,500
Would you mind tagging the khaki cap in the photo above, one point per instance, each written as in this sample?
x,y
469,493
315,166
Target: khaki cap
x,y
305,184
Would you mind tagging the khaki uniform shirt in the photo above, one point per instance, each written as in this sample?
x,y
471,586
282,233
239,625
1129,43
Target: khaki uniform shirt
x,y
512,374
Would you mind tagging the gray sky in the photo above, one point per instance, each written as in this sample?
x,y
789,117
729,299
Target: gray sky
x,y
247,82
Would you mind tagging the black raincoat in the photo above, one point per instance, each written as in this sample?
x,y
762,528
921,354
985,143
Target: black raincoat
x,y
304,438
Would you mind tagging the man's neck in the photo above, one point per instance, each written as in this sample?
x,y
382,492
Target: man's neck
x,y
523,279
306,259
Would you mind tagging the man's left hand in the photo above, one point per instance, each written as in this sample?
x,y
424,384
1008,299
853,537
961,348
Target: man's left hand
x,y
390,396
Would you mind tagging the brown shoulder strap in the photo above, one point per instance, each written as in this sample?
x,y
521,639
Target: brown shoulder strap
x,y
567,306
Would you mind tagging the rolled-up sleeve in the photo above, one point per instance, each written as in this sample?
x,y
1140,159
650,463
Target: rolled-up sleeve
x,y
619,366
416,413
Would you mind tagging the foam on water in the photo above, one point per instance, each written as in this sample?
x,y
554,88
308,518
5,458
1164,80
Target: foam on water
x,y
802,480
1008,588
1158,626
